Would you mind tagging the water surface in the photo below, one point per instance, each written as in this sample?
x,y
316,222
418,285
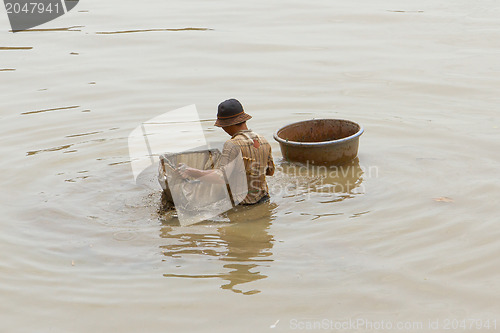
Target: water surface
x,y
408,233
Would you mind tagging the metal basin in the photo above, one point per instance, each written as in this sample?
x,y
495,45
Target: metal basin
x,y
320,141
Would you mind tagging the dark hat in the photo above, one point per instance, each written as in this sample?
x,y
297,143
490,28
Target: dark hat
x,y
230,113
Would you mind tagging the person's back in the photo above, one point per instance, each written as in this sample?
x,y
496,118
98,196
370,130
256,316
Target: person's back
x,y
258,160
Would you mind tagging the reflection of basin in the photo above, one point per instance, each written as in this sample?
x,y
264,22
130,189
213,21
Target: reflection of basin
x,y
336,183
320,141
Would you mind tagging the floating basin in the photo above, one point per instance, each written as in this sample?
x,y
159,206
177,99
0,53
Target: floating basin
x,y
320,141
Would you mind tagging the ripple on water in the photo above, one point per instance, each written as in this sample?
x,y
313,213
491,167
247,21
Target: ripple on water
x,y
150,30
50,110
14,48
72,28
124,235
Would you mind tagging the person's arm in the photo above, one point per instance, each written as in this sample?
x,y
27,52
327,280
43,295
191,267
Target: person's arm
x,y
215,176
270,164
209,176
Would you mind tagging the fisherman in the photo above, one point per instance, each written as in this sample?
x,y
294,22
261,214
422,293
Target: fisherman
x,y
254,148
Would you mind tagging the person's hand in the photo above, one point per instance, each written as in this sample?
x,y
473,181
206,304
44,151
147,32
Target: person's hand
x,y
184,171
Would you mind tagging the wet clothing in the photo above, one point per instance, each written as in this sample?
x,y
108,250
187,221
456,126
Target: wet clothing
x,y
265,198
258,161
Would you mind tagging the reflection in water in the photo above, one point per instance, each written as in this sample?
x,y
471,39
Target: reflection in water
x,y
243,246
72,28
150,30
323,184
83,134
48,110
9,48
34,152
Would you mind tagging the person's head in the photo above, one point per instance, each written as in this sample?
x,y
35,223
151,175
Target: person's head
x,y
233,129
231,116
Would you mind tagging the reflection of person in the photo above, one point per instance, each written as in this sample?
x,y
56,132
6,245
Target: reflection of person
x,y
254,148
243,249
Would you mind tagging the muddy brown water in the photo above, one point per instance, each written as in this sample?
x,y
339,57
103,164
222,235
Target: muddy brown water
x,y
406,234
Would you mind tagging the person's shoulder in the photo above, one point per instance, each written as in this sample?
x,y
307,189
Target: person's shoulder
x,y
262,139
229,144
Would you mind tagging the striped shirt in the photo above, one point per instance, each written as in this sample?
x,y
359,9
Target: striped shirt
x,y
258,160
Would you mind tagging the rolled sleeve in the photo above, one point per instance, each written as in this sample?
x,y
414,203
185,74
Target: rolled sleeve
x,y
270,164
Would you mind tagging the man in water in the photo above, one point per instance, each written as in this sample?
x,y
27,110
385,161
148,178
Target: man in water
x,y
254,148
